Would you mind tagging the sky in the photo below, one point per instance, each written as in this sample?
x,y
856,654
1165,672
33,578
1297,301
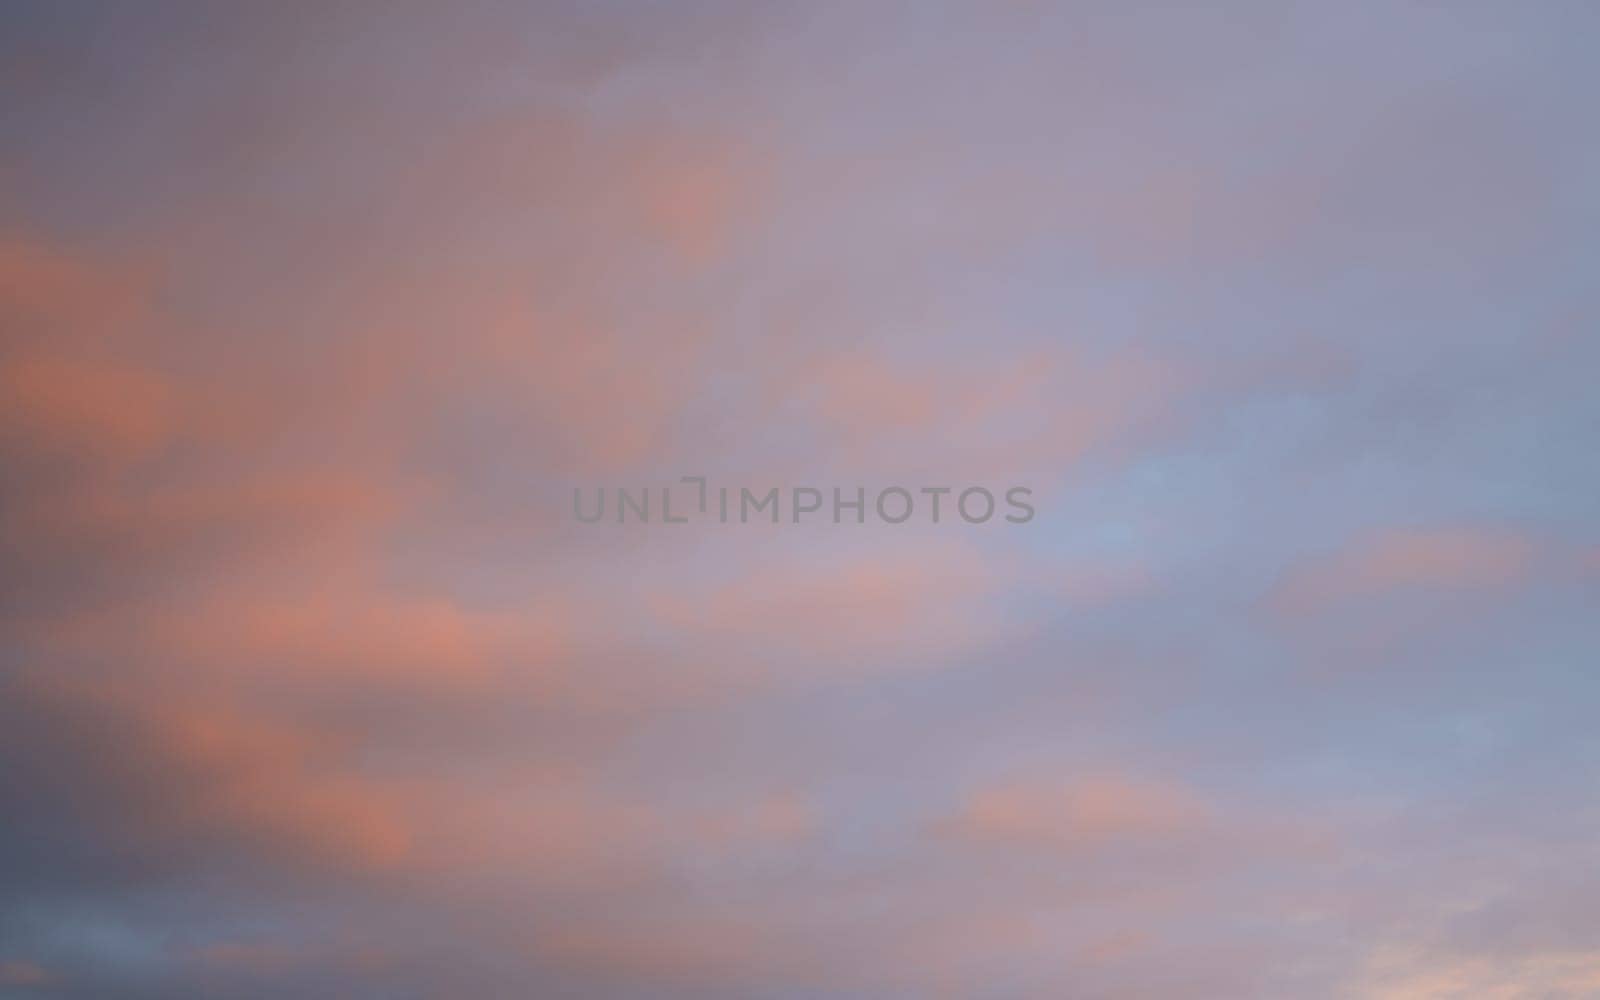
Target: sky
x,y
314,317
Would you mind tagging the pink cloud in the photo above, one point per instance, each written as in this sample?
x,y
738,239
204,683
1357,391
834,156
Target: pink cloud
x,y
1042,411
1448,559
1082,812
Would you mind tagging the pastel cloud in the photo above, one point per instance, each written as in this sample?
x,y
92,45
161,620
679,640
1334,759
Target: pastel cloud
x,y
1045,410
1398,973
1087,813
1440,559
842,611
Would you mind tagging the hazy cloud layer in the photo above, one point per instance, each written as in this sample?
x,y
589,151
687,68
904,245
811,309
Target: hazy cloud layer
x,y
311,321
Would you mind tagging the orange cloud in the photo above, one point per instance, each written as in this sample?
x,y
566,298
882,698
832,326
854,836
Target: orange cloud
x,y
76,408
342,635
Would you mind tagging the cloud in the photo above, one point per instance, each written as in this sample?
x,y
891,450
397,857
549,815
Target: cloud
x,y
1441,559
1085,813
1400,973
52,296
1035,414
842,610
66,408
20,973
309,687
669,954
775,820
113,783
